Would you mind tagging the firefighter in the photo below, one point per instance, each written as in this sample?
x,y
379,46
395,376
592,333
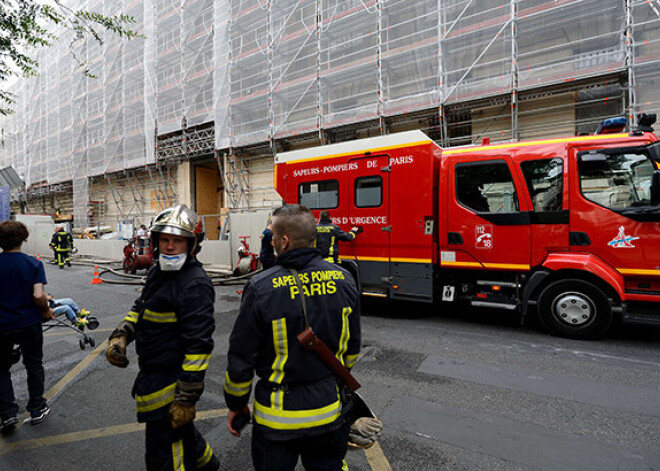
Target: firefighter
x,y
171,323
297,403
327,235
267,253
62,243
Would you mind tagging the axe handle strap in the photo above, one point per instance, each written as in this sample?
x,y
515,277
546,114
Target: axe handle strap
x,y
310,341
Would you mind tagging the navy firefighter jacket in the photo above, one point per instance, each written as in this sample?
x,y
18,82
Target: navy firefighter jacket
x,y
173,319
327,236
61,241
297,394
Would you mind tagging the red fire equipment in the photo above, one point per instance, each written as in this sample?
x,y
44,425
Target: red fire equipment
x,y
247,261
134,260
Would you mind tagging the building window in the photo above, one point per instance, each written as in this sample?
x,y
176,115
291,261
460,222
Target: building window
x,y
319,195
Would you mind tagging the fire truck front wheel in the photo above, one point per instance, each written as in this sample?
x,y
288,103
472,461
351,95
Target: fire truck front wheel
x,y
575,309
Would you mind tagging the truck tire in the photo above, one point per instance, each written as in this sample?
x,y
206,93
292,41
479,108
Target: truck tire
x,y
575,309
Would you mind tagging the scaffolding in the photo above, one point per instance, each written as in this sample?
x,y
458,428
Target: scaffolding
x,y
223,78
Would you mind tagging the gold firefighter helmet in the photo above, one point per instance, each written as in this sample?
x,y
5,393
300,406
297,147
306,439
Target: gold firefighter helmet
x,y
179,220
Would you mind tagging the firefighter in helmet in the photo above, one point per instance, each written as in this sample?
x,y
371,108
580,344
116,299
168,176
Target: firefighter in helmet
x,y
172,325
62,243
327,235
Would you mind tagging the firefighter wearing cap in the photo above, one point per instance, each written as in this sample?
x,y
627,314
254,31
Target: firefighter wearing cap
x,y
171,323
61,242
328,234
297,401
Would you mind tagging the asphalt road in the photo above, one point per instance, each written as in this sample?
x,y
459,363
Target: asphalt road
x,y
459,391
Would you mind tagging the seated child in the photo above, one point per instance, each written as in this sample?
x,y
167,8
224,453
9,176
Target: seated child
x,y
70,309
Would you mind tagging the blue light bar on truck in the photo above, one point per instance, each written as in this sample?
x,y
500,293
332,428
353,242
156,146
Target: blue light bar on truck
x,y
612,125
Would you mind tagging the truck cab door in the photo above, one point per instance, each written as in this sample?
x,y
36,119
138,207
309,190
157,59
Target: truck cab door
x,y
615,217
486,227
547,181
369,203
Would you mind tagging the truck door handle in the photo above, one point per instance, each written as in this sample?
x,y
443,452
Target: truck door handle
x,y
454,238
579,238
386,229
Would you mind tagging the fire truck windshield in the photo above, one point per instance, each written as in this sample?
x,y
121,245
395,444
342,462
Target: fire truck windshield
x,y
620,180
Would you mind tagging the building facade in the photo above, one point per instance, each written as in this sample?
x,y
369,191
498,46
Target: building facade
x,y
195,111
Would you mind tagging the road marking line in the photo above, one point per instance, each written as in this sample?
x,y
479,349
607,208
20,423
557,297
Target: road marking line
x,y
376,458
94,433
68,332
25,417
76,369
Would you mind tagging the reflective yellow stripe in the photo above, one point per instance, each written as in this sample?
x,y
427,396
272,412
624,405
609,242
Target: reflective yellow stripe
x,y
410,260
177,456
351,360
329,259
159,317
626,271
236,389
345,335
206,456
198,362
344,465
331,250
461,264
281,347
493,266
386,259
296,419
132,316
357,151
533,143
156,400
277,399
507,266
373,259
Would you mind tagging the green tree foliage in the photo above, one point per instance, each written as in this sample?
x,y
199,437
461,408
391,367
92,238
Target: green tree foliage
x,y
26,25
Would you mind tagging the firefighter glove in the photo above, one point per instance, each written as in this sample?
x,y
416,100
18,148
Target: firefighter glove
x,y
364,432
116,352
181,414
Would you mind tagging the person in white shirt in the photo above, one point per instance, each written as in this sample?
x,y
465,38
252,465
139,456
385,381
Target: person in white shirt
x,y
142,239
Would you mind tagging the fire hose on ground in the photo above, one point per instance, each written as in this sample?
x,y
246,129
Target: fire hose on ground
x,y
128,279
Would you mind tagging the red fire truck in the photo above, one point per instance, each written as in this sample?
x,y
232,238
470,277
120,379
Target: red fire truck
x,y
566,228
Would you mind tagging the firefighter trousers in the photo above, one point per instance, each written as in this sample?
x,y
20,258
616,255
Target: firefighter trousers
x,y
324,452
177,449
62,257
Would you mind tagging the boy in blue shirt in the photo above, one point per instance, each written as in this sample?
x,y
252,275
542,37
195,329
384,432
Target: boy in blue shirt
x,y
23,307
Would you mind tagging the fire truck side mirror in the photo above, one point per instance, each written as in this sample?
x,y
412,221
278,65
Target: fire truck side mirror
x,y
655,188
